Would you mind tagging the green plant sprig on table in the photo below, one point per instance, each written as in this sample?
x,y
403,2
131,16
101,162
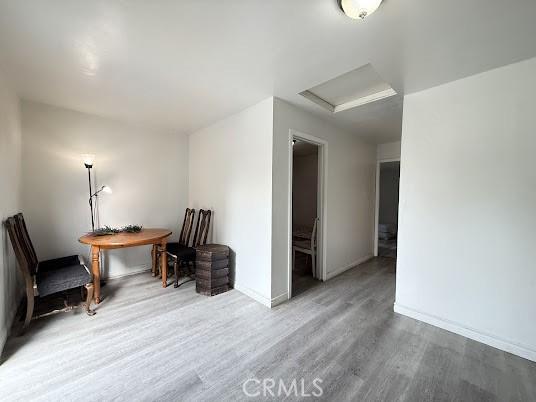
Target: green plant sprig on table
x,y
107,230
131,229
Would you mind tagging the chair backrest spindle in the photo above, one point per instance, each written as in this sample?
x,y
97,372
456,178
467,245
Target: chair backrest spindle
x,y
313,234
201,230
187,225
25,239
26,267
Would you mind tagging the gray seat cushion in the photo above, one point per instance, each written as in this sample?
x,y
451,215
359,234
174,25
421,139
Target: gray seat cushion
x,y
60,279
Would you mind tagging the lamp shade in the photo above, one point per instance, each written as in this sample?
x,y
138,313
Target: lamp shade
x,y
106,189
88,159
359,8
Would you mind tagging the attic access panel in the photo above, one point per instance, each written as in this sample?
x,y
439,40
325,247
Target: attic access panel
x,y
355,88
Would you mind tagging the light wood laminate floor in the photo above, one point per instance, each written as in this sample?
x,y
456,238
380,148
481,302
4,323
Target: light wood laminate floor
x,y
149,343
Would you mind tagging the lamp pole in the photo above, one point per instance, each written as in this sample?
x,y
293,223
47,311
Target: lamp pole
x,y
90,196
88,163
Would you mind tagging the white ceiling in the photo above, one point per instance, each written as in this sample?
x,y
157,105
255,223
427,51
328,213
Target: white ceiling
x,y
182,65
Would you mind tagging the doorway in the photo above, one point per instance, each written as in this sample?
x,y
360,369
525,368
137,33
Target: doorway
x,y
306,267
388,183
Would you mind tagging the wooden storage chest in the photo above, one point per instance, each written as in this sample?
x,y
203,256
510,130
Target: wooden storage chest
x,y
212,269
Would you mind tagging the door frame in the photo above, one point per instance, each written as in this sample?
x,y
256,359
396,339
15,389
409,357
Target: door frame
x,y
377,204
321,202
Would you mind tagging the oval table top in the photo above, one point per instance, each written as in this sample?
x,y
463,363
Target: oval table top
x,y
124,239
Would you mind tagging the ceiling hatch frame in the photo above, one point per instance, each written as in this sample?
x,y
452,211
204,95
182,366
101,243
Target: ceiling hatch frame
x,y
382,90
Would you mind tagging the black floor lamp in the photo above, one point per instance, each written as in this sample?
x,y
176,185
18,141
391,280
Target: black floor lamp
x,y
88,163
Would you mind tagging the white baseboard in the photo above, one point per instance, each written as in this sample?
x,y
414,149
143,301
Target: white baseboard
x,y
253,294
276,301
471,333
339,271
131,271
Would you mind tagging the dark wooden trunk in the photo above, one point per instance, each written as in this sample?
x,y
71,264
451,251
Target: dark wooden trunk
x,y
217,273
211,265
211,291
212,269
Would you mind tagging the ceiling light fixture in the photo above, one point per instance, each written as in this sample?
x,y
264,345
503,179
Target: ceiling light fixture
x,y
359,8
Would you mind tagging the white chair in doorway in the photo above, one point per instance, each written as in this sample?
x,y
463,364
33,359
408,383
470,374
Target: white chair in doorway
x,y
306,246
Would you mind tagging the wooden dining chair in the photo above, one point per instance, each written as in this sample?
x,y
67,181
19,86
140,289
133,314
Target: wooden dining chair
x,y
43,282
30,250
184,239
307,247
183,256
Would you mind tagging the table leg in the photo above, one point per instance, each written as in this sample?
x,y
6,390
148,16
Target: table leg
x,y
163,261
95,268
153,255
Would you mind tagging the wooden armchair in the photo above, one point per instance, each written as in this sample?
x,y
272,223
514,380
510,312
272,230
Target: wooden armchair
x,y
52,276
182,254
30,250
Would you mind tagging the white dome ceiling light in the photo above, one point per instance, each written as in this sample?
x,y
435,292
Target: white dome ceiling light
x,y
359,8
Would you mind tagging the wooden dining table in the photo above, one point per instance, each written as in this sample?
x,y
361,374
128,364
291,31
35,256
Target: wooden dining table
x,y
157,237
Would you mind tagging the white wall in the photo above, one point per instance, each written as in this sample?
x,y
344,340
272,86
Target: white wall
x,y
350,200
10,170
147,170
304,190
231,174
390,150
467,226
